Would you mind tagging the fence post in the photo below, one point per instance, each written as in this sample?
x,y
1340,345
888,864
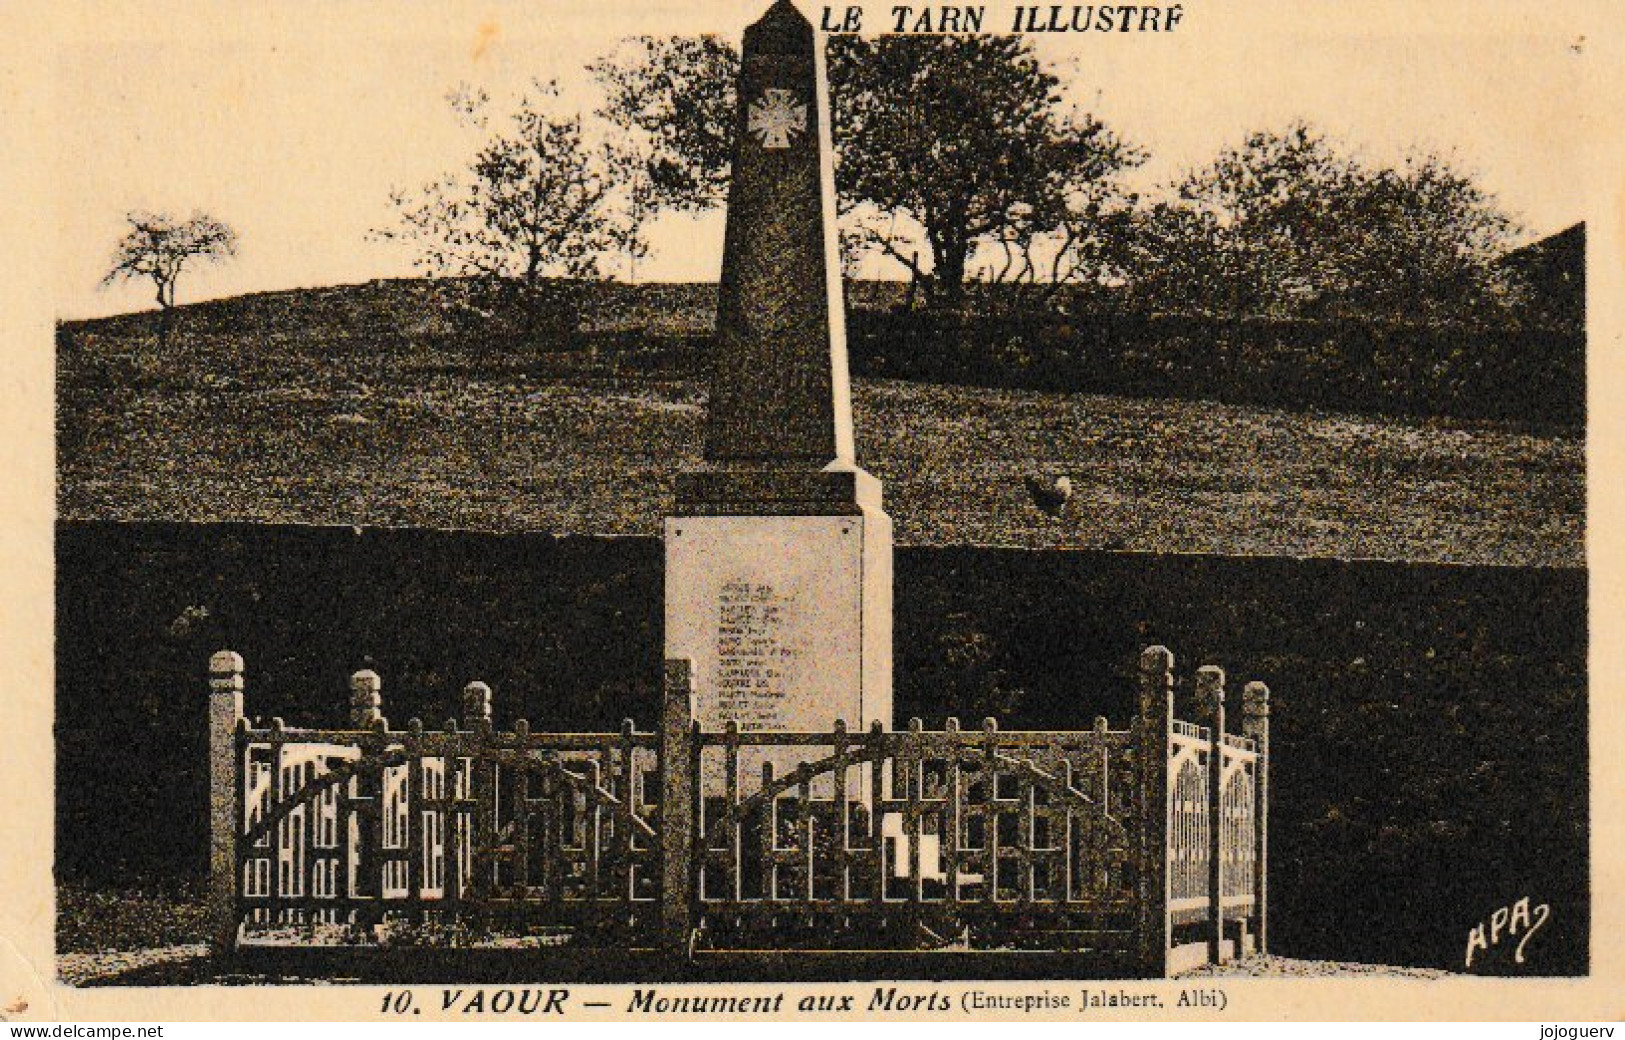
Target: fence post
x,y
225,793
1155,725
1210,697
484,776
677,808
366,699
1255,723
476,705
367,712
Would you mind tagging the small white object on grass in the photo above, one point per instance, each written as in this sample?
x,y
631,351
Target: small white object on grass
x,y
1050,496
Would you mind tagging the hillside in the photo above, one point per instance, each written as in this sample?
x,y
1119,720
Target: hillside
x,y
365,406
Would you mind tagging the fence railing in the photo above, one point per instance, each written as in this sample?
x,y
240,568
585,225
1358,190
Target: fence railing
x,y
1133,846
1217,799
926,837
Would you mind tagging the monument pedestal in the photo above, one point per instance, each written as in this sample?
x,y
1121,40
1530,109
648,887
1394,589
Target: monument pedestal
x,y
785,611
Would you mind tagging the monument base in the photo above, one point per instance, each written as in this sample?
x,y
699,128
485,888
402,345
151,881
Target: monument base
x,y
786,617
843,491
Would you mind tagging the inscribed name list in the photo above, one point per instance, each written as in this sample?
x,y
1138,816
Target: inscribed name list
x,y
754,656
770,611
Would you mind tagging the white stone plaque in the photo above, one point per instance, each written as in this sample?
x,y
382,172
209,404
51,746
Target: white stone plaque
x,y
781,617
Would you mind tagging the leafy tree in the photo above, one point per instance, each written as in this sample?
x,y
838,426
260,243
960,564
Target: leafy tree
x,y
158,247
536,204
1424,239
967,138
1090,251
945,146
675,98
1287,224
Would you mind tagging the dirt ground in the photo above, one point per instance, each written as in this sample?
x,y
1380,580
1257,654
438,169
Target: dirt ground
x,y
189,965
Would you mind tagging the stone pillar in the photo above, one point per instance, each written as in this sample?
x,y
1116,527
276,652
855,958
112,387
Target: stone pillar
x,y
781,337
476,705
1153,728
367,712
678,809
1255,723
1210,697
225,797
366,699
778,554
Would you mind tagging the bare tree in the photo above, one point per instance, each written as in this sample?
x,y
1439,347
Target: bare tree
x,y
158,247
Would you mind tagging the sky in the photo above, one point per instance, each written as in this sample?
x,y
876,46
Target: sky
x,y
293,121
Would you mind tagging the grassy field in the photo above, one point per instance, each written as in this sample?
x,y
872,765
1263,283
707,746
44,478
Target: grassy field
x,y
356,407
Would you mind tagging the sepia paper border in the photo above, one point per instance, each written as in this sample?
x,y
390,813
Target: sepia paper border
x,y
31,33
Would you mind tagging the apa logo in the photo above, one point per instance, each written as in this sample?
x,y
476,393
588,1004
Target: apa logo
x,y
1508,922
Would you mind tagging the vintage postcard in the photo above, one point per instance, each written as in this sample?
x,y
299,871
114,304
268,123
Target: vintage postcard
x,y
759,508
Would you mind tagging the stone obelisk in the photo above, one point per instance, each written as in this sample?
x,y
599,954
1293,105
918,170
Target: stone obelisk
x,y
778,555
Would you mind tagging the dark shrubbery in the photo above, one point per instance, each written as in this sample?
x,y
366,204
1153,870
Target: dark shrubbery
x,y
1527,375
1524,374
1429,722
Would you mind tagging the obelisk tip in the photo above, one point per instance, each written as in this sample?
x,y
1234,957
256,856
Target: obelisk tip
x,y
782,29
